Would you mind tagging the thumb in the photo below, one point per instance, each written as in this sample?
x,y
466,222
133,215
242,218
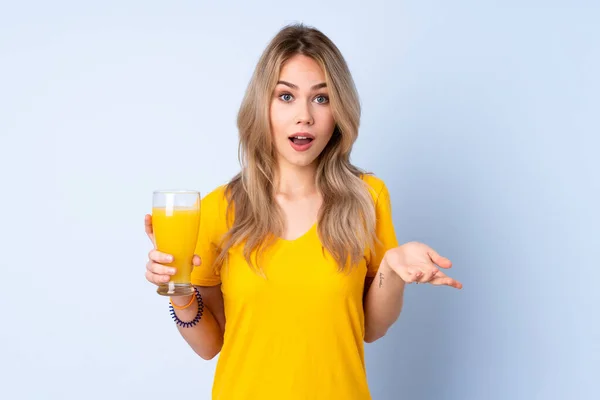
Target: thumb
x,y
197,261
443,262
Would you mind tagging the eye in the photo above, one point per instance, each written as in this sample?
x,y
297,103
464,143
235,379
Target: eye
x,y
286,97
322,99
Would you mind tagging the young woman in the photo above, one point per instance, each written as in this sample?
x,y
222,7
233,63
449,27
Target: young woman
x,y
289,248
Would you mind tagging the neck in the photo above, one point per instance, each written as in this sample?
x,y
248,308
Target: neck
x,y
295,181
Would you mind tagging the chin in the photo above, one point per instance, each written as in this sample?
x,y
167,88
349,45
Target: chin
x,y
300,161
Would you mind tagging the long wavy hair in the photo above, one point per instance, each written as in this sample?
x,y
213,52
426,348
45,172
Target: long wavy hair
x,y
346,220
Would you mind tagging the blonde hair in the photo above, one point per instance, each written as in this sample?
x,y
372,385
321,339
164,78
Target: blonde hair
x,y
346,221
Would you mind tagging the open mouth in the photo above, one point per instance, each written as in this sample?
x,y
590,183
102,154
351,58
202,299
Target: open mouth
x,y
301,140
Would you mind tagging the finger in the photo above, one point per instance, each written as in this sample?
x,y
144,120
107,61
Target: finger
x,y
197,261
411,275
428,274
440,274
148,227
160,269
156,278
148,224
443,262
160,257
446,281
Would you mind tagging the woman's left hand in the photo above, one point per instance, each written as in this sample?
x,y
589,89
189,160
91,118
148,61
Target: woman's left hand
x,y
417,262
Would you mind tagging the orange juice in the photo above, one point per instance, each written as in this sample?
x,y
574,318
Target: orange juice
x,y
175,232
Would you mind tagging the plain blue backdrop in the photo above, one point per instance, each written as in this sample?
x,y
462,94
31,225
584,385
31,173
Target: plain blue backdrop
x,y
482,117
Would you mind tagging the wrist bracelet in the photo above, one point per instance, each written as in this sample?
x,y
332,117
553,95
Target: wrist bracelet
x,y
198,316
183,307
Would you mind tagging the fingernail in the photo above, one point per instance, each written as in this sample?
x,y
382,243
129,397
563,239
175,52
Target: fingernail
x,y
169,258
172,271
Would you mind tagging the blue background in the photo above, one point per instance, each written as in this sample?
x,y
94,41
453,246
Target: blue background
x,y
482,117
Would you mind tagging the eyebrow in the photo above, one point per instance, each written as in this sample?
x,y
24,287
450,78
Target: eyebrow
x,y
315,87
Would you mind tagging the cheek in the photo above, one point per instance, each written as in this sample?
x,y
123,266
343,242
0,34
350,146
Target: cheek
x,y
327,121
277,118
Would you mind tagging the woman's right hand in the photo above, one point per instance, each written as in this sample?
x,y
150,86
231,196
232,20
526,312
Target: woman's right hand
x,y
156,271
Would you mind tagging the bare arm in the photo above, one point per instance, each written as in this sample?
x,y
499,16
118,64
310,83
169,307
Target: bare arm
x,y
411,262
206,337
383,302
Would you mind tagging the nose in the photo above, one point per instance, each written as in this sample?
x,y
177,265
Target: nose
x,y
304,115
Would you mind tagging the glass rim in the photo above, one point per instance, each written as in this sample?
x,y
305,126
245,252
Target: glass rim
x,y
176,191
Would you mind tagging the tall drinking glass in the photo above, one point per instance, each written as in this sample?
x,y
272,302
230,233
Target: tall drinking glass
x,y
175,222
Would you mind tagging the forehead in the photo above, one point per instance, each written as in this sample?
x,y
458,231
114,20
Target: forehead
x,y
302,70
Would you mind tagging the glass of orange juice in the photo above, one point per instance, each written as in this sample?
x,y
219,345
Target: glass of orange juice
x,y
175,222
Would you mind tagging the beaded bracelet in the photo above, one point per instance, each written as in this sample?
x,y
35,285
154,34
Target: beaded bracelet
x,y
193,322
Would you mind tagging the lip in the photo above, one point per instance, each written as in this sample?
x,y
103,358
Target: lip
x,y
305,134
302,147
